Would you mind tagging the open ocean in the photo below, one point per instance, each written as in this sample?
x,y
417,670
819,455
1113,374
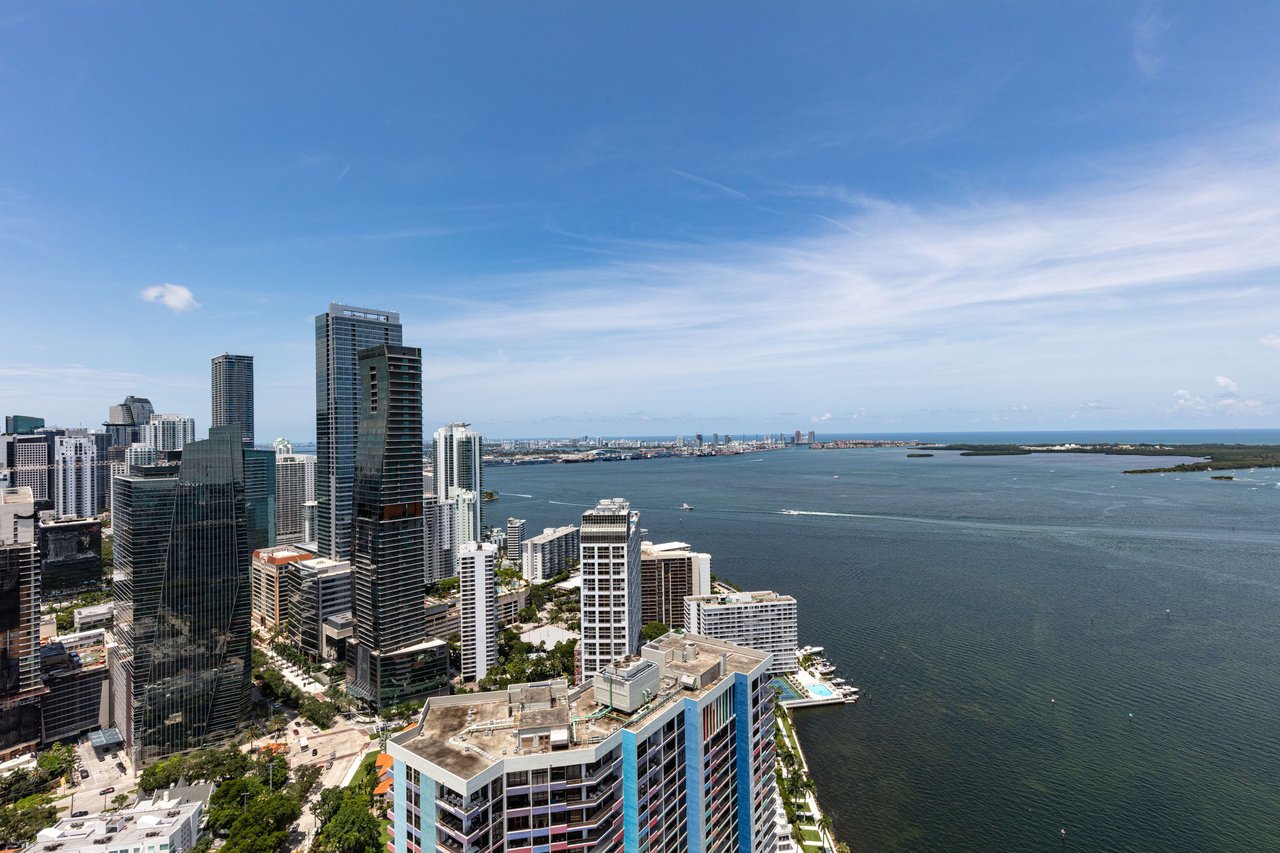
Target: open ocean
x,y
1004,617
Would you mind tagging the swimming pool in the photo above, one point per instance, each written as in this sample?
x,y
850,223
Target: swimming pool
x,y
821,691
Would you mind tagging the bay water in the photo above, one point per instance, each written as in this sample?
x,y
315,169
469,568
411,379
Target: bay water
x,y
1043,642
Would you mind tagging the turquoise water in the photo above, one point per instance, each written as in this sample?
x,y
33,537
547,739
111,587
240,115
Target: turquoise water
x,y
1003,616
820,690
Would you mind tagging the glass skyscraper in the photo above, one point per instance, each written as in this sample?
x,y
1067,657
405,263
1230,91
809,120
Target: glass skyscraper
x,y
182,675
391,658
341,333
260,497
232,386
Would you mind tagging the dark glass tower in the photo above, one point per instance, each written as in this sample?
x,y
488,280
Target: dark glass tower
x,y
181,678
260,497
391,658
341,333
232,384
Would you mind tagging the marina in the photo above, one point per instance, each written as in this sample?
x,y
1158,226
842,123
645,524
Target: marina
x,y
814,683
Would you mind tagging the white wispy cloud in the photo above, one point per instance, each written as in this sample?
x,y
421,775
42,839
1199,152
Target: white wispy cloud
x,y
1272,341
825,416
175,297
1059,284
1227,383
1147,30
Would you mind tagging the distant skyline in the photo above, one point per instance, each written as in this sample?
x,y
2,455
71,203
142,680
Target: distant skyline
x,y
652,220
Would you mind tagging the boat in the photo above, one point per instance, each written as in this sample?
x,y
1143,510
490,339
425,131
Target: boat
x,y
685,507
835,476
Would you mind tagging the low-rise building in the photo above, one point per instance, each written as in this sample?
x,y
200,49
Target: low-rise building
x,y
671,750
93,616
761,620
168,823
551,552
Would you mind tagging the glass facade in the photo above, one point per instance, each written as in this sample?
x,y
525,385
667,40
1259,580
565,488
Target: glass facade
x,y
341,333
260,497
183,599
391,659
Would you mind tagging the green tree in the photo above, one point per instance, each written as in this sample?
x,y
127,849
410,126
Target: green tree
x,y
230,801
56,761
653,631
20,821
264,826
327,805
351,830
118,801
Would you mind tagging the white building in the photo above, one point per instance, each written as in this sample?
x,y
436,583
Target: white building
x,y
169,432
166,824
515,535
75,479
139,454
295,487
546,555
609,548
761,620
477,587
440,520
458,474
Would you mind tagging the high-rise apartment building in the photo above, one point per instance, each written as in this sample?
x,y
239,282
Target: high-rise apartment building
x,y
515,536
180,679
21,686
439,519
761,620
668,573
390,659
609,545
29,459
478,590
458,474
232,387
549,553
669,751
295,487
75,473
341,333
169,432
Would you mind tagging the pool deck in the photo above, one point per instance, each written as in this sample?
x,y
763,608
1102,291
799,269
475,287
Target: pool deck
x,y
813,689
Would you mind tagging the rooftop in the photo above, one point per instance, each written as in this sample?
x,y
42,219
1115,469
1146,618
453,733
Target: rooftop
x,y
728,599
466,734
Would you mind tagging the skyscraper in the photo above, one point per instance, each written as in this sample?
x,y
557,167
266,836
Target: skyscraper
x,y
259,495
341,333
75,470
182,585
438,520
20,686
295,486
232,386
609,544
391,658
478,594
459,475
168,432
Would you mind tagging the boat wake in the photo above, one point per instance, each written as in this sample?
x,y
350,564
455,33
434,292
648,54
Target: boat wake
x,y
515,495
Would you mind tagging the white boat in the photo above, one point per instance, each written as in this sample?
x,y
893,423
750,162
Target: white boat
x,y
685,507
837,681
835,476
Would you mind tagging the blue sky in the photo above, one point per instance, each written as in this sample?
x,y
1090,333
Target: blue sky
x,y
652,218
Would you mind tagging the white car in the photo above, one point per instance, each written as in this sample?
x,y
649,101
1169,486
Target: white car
x,y
315,730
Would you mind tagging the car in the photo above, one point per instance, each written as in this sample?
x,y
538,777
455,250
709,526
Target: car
x,y
315,751
315,730
120,766
333,754
84,774
110,789
81,813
